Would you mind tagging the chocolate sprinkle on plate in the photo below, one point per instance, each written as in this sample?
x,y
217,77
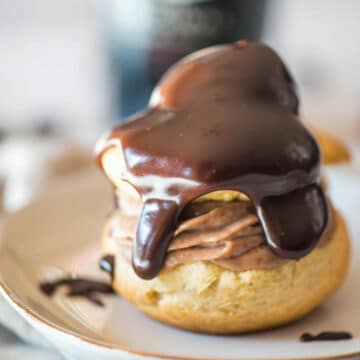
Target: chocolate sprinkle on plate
x,y
326,336
80,287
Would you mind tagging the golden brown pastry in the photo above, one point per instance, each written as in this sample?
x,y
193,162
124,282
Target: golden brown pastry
x,y
204,297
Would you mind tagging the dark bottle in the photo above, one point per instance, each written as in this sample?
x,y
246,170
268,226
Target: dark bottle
x,y
148,36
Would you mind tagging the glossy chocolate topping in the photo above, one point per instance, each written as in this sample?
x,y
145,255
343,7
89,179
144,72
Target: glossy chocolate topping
x,y
107,264
223,118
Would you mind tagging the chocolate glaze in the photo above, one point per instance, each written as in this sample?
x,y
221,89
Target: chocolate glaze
x,y
326,336
107,264
223,118
78,287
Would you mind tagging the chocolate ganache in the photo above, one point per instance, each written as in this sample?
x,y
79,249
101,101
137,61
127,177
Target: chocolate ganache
x,y
223,118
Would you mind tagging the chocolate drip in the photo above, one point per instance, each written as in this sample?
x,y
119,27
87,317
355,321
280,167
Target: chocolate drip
x,y
151,243
293,236
224,118
326,336
78,287
107,264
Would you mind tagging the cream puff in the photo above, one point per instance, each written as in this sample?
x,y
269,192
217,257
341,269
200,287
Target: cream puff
x,y
221,224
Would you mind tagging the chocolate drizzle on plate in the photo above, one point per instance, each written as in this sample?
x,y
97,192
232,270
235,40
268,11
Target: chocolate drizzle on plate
x,y
106,264
81,287
224,118
326,336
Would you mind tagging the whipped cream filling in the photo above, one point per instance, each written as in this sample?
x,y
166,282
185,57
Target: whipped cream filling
x,y
228,234
225,233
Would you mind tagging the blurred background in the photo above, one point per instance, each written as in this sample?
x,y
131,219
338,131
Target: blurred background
x,y
71,68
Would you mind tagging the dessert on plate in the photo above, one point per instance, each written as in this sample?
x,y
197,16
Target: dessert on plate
x,y
221,224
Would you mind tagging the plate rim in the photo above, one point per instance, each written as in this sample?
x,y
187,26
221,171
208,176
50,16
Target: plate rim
x,y
25,310
22,309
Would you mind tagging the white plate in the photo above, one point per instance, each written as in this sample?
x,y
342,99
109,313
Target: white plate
x,y
60,233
